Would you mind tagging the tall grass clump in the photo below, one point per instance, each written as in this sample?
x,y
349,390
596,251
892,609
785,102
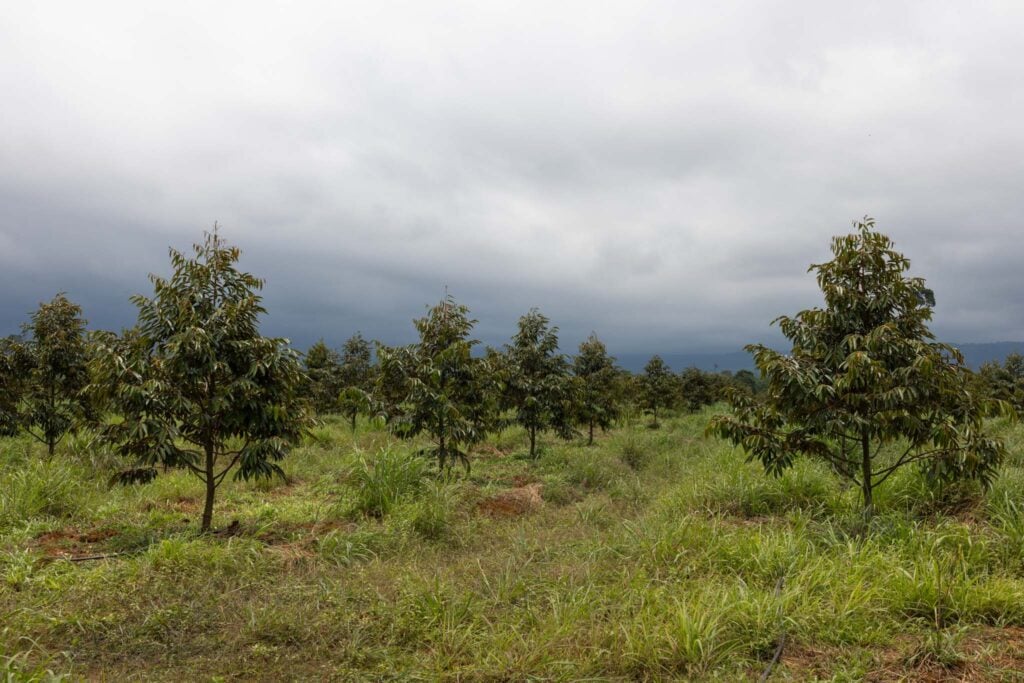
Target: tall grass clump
x,y
634,454
1007,517
17,668
39,488
345,549
668,636
740,489
385,480
432,513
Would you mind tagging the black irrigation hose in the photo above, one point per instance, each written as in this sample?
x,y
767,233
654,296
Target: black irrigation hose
x,y
86,558
782,638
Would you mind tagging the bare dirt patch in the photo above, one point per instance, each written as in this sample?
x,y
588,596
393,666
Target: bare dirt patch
x,y
71,543
514,502
987,654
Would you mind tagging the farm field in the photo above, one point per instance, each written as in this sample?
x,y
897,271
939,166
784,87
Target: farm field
x,y
651,555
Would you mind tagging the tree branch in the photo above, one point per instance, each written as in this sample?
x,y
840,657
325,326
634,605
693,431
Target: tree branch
x,y
887,472
35,436
217,479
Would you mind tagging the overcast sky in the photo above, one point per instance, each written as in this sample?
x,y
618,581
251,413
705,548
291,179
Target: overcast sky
x,y
661,173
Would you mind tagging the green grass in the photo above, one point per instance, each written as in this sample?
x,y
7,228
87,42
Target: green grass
x,y
652,555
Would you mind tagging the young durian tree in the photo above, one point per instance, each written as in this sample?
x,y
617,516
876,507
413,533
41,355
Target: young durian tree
x,y
595,376
323,372
865,387
355,378
658,388
52,363
196,384
449,395
14,367
538,388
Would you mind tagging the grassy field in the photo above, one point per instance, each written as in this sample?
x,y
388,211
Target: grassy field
x,y
652,555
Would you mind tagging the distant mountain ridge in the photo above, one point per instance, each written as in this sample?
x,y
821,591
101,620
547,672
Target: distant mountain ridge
x,y
975,354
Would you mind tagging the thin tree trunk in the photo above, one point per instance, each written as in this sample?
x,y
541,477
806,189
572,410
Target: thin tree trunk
x,y
353,418
590,442
865,473
51,440
440,450
533,442
211,489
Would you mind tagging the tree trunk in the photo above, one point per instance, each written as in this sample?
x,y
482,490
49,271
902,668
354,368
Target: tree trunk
x,y
533,442
51,439
590,442
352,417
865,473
440,451
211,489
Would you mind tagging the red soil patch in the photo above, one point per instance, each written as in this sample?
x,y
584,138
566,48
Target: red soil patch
x,y
514,502
988,653
72,543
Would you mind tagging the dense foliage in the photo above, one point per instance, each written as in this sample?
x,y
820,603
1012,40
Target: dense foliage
x,y
865,387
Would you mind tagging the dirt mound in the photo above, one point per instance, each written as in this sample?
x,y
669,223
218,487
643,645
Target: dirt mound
x,y
514,502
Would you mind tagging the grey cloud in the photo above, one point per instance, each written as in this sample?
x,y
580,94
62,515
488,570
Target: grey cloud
x,y
661,173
